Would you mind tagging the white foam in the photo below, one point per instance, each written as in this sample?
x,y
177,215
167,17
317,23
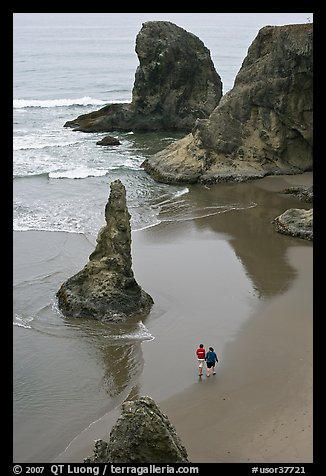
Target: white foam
x,y
34,141
144,227
79,173
84,101
179,193
21,321
142,333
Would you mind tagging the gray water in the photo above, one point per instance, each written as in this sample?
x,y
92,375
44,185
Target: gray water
x,y
65,65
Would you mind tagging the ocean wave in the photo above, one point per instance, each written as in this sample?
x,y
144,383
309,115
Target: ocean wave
x,y
17,226
38,225
84,101
17,176
39,141
79,173
85,172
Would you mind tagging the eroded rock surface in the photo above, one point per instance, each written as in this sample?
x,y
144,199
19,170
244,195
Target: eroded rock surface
x,y
105,288
142,434
295,222
175,83
305,194
262,126
108,140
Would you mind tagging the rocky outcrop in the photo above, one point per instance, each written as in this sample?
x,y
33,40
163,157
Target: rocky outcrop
x,y
142,434
262,126
108,140
175,83
305,194
295,222
105,288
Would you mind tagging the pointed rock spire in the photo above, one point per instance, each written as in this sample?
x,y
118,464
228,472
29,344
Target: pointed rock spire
x,y
105,289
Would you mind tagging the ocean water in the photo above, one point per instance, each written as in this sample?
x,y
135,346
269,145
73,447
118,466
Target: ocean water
x,y
65,65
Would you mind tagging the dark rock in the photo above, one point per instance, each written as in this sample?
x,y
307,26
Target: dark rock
x,y
108,140
262,126
105,288
305,194
175,83
295,222
142,434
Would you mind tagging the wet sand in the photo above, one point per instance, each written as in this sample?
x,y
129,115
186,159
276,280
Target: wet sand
x,y
250,297
258,408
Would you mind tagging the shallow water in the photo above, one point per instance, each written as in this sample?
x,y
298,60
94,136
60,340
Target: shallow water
x,y
207,265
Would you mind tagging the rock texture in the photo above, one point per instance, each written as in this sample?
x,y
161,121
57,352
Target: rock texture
x,y
175,83
108,140
305,194
105,288
262,126
142,434
295,222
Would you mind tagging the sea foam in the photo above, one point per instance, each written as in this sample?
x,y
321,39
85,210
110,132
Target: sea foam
x,y
84,101
21,321
141,333
78,173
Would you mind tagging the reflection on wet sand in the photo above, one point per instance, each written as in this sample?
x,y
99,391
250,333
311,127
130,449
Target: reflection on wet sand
x,y
122,364
244,212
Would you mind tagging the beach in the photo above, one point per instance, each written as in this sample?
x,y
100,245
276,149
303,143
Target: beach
x,y
233,283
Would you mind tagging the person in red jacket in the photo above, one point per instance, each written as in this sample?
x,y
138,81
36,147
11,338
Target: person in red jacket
x,y
200,352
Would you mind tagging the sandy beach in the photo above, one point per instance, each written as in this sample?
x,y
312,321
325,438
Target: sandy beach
x,y
255,309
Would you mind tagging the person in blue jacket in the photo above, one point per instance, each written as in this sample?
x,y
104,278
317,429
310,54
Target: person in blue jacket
x,y
211,359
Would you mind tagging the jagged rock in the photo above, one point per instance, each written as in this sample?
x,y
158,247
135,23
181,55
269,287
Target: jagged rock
x,y
105,288
108,140
295,222
262,126
100,453
305,194
175,83
142,434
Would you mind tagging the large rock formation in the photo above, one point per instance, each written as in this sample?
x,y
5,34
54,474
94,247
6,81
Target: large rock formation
x,y
105,288
175,83
142,434
295,222
262,126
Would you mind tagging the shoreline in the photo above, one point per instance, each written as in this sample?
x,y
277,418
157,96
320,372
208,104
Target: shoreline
x,y
239,408
262,410
258,408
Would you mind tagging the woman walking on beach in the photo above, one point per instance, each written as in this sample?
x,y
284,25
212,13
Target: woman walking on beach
x,y
211,359
201,352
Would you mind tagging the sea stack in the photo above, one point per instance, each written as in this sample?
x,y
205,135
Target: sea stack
x,y
105,289
175,83
142,434
263,126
